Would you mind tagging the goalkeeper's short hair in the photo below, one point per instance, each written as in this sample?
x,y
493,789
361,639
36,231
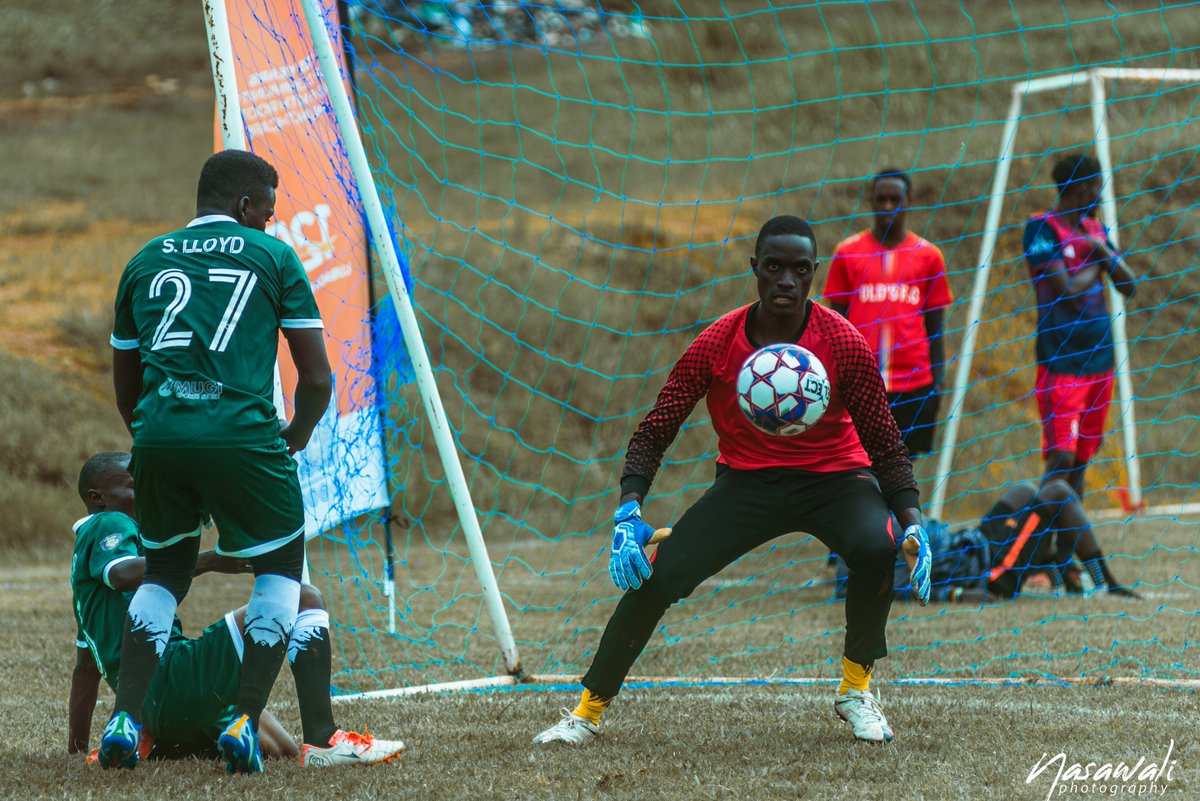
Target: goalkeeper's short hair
x,y
785,225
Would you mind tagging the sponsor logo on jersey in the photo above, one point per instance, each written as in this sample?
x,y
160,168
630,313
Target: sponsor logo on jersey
x,y
110,542
191,390
890,293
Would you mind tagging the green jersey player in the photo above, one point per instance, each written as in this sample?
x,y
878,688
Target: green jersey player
x,y
198,317
190,697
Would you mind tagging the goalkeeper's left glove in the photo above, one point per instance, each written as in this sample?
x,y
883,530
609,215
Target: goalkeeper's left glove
x,y
627,564
920,561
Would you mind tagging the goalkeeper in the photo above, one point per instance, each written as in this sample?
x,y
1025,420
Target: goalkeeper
x,y
191,695
840,481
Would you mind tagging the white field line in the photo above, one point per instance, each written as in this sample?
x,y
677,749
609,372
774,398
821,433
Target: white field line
x,y
528,580
672,682
1163,510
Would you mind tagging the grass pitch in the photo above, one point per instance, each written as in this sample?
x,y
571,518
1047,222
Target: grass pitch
x,y
108,158
768,742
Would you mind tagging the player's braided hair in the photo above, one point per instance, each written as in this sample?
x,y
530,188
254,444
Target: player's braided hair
x,y
1074,169
97,468
231,175
785,225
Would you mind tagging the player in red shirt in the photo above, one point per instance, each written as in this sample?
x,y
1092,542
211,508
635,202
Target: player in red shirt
x,y
891,284
841,481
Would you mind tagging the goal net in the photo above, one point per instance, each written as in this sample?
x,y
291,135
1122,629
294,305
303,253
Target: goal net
x,y
574,188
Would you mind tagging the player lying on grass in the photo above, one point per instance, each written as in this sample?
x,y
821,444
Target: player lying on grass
x,y
1037,531
1029,538
191,697
841,480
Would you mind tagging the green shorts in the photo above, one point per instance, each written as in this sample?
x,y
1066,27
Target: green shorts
x,y
191,696
252,494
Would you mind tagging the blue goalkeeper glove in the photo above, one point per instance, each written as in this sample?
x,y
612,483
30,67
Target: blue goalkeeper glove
x,y
920,561
627,564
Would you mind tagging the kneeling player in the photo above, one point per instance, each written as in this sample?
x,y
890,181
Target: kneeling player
x,y
1036,531
191,696
1029,538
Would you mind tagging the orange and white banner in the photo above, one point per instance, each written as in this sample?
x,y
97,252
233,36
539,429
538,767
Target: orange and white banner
x,y
288,121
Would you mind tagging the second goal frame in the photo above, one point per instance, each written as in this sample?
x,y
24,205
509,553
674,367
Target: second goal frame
x,y
1095,78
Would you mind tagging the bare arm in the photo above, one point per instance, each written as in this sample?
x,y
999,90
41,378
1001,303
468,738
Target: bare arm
x,y
127,382
1122,277
934,320
213,562
1066,285
313,385
127,575
85,683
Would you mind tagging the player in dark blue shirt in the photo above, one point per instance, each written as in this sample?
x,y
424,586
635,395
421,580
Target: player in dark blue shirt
x,y
1068,253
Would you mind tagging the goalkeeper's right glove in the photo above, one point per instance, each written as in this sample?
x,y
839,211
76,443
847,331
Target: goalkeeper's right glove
x,y
627,564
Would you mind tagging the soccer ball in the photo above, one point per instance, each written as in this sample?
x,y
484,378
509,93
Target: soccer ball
x,y
783,389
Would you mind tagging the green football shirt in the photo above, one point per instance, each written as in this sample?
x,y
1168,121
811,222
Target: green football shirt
x,y
102,541
204,306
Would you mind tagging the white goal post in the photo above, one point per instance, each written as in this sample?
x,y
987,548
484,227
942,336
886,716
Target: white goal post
x,y
1099,106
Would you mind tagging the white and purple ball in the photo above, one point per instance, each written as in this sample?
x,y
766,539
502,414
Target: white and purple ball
x,y
783,389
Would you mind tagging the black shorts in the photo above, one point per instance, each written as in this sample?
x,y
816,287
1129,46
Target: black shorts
x,y
1018,543
915,413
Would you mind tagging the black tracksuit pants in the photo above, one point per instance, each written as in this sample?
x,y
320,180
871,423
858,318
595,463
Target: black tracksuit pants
x,y
742,510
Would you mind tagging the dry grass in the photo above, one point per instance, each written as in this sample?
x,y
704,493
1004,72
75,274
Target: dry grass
x,y
561,263
62,48
661,742
769,614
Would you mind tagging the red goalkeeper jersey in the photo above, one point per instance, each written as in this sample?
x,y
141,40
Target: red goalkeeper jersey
x,y
856,431
887,291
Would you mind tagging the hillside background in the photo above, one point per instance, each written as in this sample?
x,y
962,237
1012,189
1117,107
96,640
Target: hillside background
x,y
579,228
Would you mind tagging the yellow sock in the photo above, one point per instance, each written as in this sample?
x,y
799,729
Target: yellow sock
x,y
592,706
854,676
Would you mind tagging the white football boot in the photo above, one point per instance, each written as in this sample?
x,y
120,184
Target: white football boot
x,y
571,729
861,710
351,748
